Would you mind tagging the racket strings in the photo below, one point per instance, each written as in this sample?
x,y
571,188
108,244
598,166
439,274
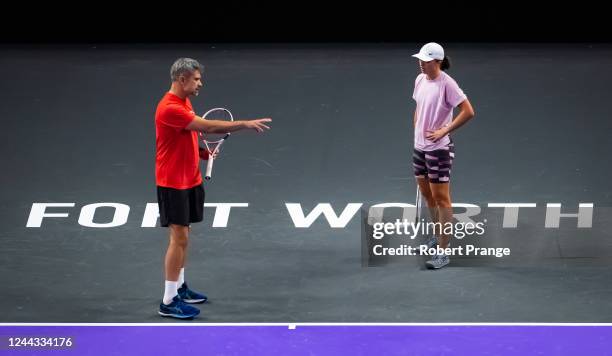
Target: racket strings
x,y
215,139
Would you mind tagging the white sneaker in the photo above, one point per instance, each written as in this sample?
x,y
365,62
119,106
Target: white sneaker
x,y
437,262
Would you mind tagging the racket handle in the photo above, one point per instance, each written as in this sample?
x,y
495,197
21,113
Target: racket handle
x,y
209,165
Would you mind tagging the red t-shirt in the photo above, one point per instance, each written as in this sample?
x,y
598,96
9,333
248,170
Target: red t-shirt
x,y
177,161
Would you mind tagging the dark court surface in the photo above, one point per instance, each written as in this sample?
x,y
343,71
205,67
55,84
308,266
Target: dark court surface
x,y
77,127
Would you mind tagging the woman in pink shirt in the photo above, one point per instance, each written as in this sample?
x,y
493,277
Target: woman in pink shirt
x,y
436,95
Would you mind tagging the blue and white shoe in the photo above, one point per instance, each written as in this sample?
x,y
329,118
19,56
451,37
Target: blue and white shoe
x,y
432,242
437,262
178,309
189,296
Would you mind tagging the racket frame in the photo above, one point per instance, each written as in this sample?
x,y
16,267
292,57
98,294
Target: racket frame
x,y
212,153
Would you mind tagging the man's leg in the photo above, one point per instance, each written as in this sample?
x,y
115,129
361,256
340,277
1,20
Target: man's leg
x,y
186,294
175,258
196,214
181,278
174,212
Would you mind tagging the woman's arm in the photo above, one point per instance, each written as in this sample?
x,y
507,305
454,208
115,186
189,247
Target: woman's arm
x,y
465,114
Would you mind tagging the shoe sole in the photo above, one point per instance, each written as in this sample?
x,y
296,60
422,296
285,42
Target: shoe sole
x,y
176,316
429,266
194,301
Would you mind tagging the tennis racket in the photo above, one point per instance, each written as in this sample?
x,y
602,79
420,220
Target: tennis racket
x,y
213,141
418,204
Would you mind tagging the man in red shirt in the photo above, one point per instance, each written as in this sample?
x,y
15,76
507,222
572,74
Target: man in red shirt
x,y
180,193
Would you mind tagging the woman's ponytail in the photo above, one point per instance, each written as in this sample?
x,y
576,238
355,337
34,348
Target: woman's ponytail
x,y
446,64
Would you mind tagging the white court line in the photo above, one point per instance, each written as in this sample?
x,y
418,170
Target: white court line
x,y
294,325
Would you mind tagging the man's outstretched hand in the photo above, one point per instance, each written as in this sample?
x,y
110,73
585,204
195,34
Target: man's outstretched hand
x,y
258,125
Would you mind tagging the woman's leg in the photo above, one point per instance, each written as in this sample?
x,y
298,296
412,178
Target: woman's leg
x,y
441,196
426,193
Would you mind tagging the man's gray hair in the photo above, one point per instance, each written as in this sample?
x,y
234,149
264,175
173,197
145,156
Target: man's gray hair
x,y
184,66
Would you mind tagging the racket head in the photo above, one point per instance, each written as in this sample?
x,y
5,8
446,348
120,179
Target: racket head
x,y
221,114
212,141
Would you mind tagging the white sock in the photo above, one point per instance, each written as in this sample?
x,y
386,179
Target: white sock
x,y
170,291
181,279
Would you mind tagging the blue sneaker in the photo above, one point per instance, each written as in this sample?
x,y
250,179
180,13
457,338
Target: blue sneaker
x,y
189,296
178,309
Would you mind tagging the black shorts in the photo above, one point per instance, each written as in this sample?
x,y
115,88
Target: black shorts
x,y
180,206
435,165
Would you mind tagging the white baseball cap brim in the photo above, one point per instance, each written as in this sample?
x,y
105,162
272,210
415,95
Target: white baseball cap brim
x,y
423,57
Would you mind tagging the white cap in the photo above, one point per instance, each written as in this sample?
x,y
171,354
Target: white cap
x,y
429,52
